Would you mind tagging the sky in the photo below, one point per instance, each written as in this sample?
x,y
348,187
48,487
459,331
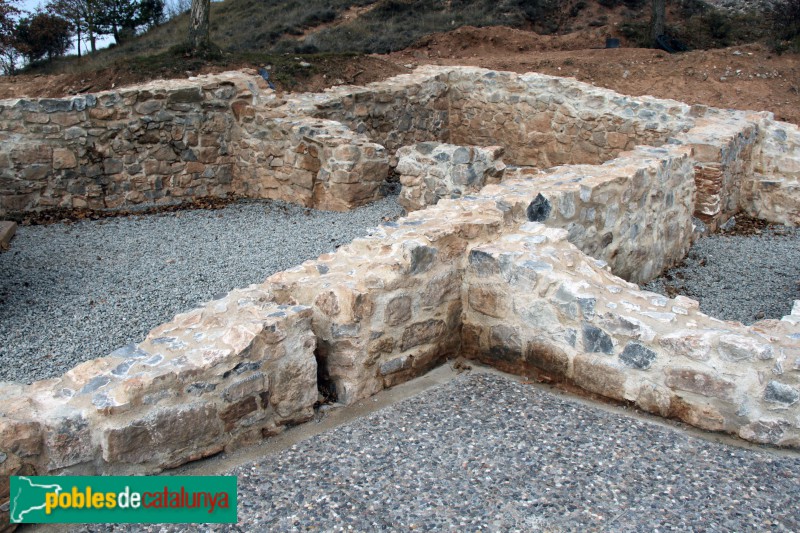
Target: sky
x,y
31,5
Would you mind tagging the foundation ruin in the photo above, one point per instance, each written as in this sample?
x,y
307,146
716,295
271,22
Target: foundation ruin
x,y
536,205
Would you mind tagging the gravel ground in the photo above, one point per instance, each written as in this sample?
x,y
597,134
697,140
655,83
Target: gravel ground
x,y
73,292
737,277
483,452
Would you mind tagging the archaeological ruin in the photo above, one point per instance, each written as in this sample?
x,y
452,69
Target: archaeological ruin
x,y
536,205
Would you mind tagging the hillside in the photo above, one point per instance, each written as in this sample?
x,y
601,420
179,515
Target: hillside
x,y
247,28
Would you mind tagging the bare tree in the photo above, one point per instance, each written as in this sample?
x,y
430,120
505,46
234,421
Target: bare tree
x,y
199,38
657,20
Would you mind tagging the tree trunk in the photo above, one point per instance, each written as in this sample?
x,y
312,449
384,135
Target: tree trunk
x,y
199,28
78,31
658,20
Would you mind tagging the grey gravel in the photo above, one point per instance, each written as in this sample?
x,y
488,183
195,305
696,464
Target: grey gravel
x,y
735,277
73,292
483,452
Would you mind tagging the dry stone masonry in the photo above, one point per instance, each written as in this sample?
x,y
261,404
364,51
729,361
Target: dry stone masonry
x,y
503,257
432,171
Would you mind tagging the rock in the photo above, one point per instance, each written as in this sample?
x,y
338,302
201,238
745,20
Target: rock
x,y
505,344
395,365
398,310
7,231
163,436
689,343
781,393
539,209
486,301
741,348
638,356
596,340
596,375
729,224
699,382
422,333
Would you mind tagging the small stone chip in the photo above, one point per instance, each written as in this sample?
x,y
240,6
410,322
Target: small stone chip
x,y
596,340
777,392
637,355
539,209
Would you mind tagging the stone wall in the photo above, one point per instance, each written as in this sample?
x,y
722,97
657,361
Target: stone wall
x,y
216,378
228,135
172,142
311,162
772,192
544,121
164,142
432,171
722,145
533,303
387,307
634,212
404,110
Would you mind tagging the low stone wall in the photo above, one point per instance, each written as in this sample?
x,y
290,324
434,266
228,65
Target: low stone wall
x,y
635,211
722,145
228,135
163,142
397,112
233,372
387,308
311,162
432,171
535,303
174,141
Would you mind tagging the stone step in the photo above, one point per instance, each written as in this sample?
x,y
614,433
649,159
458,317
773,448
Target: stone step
x,y
7,231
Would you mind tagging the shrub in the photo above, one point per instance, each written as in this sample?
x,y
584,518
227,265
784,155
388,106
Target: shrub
x,y
785,21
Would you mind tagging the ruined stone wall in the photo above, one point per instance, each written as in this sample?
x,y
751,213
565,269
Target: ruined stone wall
x,y
722,145
387,307
500,274
230,373
164,142
772,192
431,171
407,109
544,121
533,303
634,212
311,162
171,142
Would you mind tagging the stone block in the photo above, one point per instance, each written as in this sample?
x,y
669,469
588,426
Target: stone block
x,y
597,375
7,231
699,382
164,436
